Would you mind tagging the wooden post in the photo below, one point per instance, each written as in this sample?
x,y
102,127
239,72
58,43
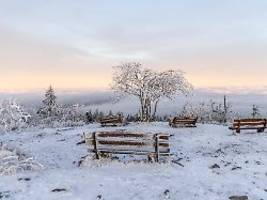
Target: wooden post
x,y
225,109
95,146
156,147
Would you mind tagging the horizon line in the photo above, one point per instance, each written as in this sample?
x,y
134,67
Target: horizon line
x,y
220,90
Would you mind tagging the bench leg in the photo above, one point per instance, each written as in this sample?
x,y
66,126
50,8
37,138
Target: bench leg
x,y
238,131
156,148
151,157
95,146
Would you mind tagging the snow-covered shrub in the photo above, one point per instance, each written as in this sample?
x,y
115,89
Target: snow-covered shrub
x,y
12,162
188,110
72,116
12,116
208,112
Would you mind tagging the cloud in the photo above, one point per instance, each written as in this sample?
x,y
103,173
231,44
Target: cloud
x,y
71,43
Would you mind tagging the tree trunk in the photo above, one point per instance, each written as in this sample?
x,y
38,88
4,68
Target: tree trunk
x,y
147,110
143,115
142,106
155,109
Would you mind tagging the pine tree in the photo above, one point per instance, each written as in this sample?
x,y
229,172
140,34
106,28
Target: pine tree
x,y
50,108
110,113
96,115
89,117
101,115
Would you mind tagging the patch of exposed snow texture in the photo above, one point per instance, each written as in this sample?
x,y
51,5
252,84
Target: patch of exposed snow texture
x,y
208,162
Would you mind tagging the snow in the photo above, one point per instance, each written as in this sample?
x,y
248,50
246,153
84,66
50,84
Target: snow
x,y
242,160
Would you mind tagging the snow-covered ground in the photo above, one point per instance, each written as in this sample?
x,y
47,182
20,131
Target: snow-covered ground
x,y
209,162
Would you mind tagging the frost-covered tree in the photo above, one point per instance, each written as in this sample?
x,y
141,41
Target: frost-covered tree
x,y
255,111
189,110
12,116
50,111
148,86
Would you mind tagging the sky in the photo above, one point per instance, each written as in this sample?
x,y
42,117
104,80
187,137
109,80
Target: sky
x,y
74,44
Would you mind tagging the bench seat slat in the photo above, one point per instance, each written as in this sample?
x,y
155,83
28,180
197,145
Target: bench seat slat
x,y
249,120
133,147
129,152
184,120
120,134
249,123
246,128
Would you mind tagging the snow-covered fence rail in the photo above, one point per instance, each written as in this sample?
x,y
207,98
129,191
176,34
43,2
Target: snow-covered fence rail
x,y
120,142
249,124
183,122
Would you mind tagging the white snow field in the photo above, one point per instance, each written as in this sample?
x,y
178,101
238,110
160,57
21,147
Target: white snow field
x,y
209,163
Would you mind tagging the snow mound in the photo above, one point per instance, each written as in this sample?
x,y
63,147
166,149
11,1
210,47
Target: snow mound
x,y
12,162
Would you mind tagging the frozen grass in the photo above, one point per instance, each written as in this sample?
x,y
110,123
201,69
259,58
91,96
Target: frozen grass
x,y
13,161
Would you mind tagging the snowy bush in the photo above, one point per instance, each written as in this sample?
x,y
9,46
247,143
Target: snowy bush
x,y
12,116
12,162
188,110
72,116
208,112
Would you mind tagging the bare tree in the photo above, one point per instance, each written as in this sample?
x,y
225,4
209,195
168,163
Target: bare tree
x,y
148,86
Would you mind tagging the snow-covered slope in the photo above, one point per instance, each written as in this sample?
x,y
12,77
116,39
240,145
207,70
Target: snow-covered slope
x,y
209,162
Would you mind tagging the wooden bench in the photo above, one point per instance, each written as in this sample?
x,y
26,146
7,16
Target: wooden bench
x,y
183,122
120,142
111,121
249,124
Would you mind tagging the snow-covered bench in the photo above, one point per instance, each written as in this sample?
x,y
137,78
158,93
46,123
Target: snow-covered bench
x,y
249,124
121,142
183,122
112,121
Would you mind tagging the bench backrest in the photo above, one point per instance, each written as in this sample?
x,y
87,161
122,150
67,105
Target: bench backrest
x,y
177,120
250,122
111,119
128,143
